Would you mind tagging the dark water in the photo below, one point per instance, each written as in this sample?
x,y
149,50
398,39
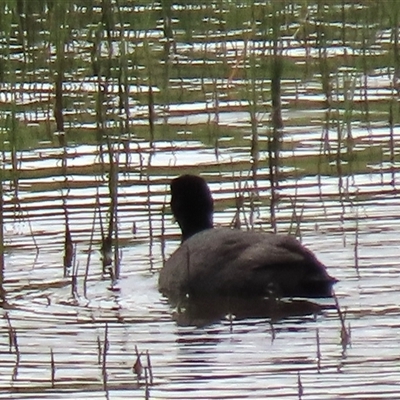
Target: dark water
x,y
337,191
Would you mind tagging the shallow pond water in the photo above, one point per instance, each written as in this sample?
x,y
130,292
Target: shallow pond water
x,y
200,103
250,358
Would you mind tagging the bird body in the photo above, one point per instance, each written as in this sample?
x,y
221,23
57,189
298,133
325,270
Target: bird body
x,y
230,262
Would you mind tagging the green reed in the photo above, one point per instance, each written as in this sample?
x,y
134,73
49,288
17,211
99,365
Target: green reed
x,y
59,34
6,24
274,139
117,48
100,39
2,265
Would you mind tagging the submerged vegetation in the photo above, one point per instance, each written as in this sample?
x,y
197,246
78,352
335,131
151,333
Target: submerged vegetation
x,y
128,77
231,75
289,109
112,68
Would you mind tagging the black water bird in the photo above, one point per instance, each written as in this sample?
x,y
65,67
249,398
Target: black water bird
x,y
223,262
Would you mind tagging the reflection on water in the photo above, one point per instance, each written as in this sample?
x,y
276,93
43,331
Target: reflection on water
x,y
203,312
231,358
336,190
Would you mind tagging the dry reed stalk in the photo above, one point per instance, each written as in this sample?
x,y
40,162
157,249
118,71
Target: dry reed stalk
x,y
392,141
236,222
356,246
151,114
12,337
149,215
113,209
296,217
68,259
104,351
86,274
318,351
146,385
13,343
162,237
74,281
273,185
137,367
53,369
273,331
345,332
143,371
149,367
99,350
300,389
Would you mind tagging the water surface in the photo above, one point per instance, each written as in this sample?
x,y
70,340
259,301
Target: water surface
x,y
336,190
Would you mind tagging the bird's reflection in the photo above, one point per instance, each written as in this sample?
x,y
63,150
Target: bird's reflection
x,y
204,311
